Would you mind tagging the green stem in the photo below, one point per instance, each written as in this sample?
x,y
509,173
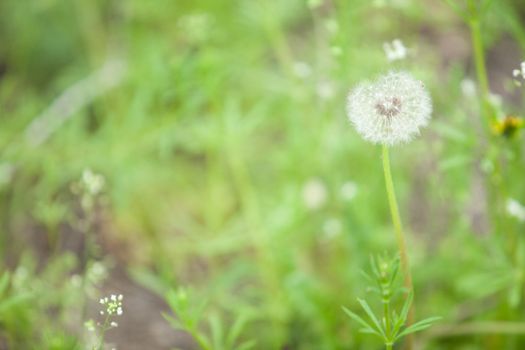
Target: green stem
x,y
386,315
400,237
100,342
481,67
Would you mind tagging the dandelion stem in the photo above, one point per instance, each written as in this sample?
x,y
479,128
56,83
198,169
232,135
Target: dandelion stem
x,y
400,237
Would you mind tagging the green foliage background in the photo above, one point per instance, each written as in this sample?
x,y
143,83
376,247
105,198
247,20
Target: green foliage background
x,y
225,111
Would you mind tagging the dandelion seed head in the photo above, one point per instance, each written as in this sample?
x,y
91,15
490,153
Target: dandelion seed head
x,y
390,110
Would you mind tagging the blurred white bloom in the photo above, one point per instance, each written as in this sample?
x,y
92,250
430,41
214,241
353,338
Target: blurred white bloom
x,y
97,272
302,70
468,87
332,228
114,324
495,100
196,27
76,280
518,74
314,194
390,110
331,26
314,3
336,50
395,50
325,90
348,190
515,209
90,325
94,183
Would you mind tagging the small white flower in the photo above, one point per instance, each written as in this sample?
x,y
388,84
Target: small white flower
x,y
390,110
395,50
348,191
515,209
314,194
519,74
468,87
114,324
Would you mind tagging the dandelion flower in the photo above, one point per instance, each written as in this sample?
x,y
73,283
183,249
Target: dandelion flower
x,y
390,110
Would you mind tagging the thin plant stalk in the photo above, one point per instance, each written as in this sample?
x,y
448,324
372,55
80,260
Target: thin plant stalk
x,y
479,62
388,326
400,237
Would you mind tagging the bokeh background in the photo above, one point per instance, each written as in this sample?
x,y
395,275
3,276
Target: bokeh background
x,y
212,135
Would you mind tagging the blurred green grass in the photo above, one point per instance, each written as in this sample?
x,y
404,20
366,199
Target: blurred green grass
x,y
225,112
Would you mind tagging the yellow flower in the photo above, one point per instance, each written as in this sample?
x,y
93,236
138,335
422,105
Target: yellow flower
x,y
507,126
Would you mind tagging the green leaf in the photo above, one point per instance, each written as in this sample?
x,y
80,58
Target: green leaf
x,y
217,331
399,320
250,344
419,326
4,282
235,330
370,314
366,327
461,12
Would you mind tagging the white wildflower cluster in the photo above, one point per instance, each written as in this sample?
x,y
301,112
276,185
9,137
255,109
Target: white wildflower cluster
x,y
395,50
113,305
519,74
390,110
515,209
88,187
